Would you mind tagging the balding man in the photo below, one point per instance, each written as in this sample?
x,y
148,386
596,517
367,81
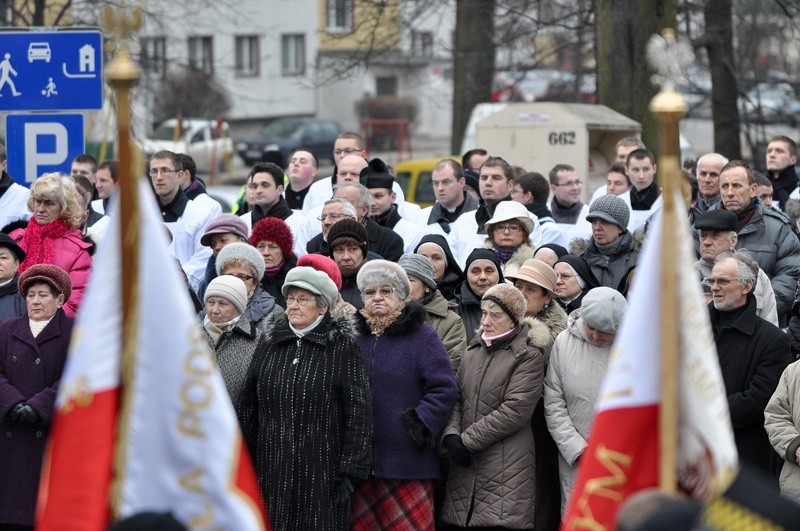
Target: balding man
x,y
708,168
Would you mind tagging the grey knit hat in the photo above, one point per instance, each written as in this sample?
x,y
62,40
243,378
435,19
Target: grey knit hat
x,y
419,266
602,308
229,288
612,209
244,252
379,272
309,279
510,299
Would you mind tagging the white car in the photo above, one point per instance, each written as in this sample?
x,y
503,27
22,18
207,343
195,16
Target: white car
x,y
200,138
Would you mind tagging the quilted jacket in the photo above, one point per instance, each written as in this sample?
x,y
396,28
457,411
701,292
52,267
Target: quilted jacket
x,y
782,421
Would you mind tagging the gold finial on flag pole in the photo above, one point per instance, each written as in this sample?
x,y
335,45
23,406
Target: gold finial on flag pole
x,y
669,58
122,73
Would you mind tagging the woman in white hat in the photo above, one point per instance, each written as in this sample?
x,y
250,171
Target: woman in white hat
x,y
509,233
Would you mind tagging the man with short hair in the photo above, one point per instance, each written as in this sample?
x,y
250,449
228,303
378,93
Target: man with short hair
x,y
617,183
13,196
452,200
566,186
641,169
474,159
185,218
708,168
382,209
301,171
84,165
752,355
764,190
194,188
781,158
532,190
625,146
106,185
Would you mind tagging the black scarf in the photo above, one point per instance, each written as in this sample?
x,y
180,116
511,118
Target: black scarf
x,y
295,198
279,210
388,219
564,214
486,211
644,199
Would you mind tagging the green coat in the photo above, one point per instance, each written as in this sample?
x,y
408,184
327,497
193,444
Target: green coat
x,y
449,326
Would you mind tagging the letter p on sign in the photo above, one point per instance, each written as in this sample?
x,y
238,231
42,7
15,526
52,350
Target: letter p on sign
x,y
39,143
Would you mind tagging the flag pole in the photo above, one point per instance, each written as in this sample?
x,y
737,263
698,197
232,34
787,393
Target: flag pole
x,y
669,107
122,73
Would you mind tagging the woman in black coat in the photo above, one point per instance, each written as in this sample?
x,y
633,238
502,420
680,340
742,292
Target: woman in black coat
x,y
11,255
483,271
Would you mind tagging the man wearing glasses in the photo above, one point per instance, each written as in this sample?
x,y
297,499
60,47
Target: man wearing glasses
x,y
185,219
566,187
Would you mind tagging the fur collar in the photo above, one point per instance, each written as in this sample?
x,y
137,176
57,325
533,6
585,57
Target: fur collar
x,y
411,319
546,325
578,246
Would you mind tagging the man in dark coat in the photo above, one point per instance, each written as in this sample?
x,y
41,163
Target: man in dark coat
x,y
752,354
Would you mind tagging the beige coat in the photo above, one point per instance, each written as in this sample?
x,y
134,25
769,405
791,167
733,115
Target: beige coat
x,y
782,421
499,387
449,326
571,388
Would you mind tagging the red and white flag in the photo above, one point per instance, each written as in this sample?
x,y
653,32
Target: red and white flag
x,y
171,442
623,456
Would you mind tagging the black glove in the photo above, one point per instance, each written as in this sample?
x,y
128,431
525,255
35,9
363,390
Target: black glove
x,y
14,413
419,432
344,489
27,414
458,452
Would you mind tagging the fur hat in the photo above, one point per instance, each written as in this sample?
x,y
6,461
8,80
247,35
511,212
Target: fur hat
x,y
536,272
273,230
510,299
50,274
224,224
349,228
418,266
376,175
377,272
612,209
309,279
603,308
8,242
324,264
229,288
508,210
244,252
718,219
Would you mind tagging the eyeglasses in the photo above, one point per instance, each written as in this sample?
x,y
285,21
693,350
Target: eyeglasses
x,y
721,281
570,184
302,301
346,151
243,277
334,217
563,278
163,171
385,291
513,229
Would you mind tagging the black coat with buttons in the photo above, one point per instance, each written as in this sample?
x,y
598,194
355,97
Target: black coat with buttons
x,y
30,371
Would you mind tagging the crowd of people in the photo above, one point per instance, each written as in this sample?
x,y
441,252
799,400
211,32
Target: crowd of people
x,y
394,367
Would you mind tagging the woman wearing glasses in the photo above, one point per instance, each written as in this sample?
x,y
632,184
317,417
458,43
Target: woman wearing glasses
x,y
413,393
305,409
508,233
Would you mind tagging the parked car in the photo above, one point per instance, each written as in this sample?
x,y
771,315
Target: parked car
x,y
285,135
200,138
770,103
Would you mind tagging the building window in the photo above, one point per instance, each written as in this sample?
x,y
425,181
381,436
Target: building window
x,y
247,55
340,16
422,43
386,86
201,54
293,54
153,55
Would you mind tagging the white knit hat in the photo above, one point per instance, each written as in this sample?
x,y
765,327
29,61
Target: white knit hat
x,y
229,288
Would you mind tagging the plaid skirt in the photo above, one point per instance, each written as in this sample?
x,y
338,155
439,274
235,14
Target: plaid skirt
x,y
392,504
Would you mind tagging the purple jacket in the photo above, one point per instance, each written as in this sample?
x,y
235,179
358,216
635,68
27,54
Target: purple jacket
x,y
407,367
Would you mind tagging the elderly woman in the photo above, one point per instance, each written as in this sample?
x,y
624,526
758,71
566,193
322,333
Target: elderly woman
x,y
272,237
33,350
325,264
11,254
244,262
413,393
492,483
578,363
53,235
483,270
305,409
232,338
574,279
445,321
545,319
612,251
508,233
446,272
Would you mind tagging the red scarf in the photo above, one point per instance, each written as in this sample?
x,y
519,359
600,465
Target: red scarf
x,y
37,242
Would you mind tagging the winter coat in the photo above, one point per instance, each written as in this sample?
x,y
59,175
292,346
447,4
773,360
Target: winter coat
x,y
11,302
523,252
469,308
72,254
782,422
571,389
449,326
234,351
30,371
305,414
350,292
609,270
260,307
408,368
499,387
752,356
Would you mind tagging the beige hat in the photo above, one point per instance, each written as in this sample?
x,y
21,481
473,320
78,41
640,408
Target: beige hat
x,y
536,272
507,210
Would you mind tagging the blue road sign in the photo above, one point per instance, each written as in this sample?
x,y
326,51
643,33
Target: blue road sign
x,y
51,71
40,143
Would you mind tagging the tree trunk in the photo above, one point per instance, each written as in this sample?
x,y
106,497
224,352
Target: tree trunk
x,y
724,89
623,76
473,63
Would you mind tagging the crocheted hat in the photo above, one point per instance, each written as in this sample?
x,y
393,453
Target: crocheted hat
x,y
510,299
223,224
273,230
50,274
229,288
244,252
610,208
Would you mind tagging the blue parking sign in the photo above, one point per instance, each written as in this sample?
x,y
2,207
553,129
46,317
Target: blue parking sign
x,y
51,70
40,143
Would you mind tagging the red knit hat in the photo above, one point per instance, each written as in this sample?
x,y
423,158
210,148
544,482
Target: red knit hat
x,y
273,230
324,264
